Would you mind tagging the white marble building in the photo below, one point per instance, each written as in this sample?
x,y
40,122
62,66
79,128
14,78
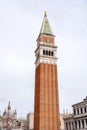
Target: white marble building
x,y
78,119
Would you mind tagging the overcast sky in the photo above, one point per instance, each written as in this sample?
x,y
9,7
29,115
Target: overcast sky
x,y
20,23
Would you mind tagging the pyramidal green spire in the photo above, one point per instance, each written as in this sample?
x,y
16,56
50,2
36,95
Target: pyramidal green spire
x,y
45,28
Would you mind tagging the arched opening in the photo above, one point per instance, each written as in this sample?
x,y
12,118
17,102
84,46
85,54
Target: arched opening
x,y
74,112
43,52
85,109
75,125
81,110
86,121
52,53
66,126
49,53
46,52
79,124
77,111
82,123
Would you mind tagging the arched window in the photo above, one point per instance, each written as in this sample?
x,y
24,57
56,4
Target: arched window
x,y
43,52
49,53
52,53
46,52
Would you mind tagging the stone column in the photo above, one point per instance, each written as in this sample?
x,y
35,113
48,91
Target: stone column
x,y
81,123
83,110
85,126
76,111
71,125
41,52
74,125
77,124
68,127
79,110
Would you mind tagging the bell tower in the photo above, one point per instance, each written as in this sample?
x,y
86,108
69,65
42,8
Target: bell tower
x,y
46,103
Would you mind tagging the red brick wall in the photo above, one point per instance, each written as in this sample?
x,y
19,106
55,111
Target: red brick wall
x,y
47,38
46,109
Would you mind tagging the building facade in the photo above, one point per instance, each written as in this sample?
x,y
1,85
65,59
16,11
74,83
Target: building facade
x,y
78,119
30,118
46,109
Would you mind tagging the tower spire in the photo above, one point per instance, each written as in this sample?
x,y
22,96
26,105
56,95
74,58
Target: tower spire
x,y
9,107
45,28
